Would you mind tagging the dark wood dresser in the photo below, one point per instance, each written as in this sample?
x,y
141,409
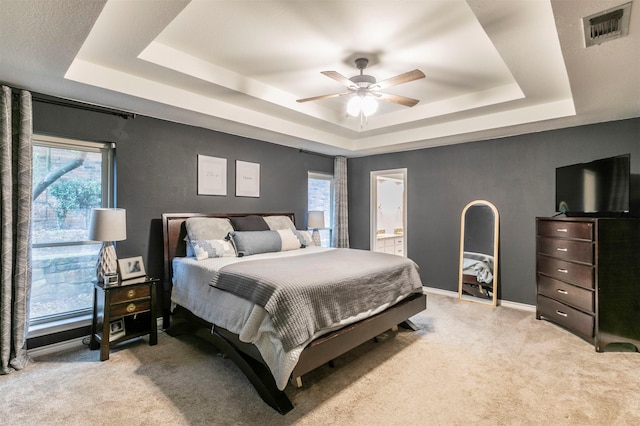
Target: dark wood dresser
x,y
588,278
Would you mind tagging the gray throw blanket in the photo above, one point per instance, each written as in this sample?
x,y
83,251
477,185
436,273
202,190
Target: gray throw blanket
x,y
308,293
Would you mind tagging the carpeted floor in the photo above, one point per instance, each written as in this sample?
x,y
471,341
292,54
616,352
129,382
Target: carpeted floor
x,y
469,364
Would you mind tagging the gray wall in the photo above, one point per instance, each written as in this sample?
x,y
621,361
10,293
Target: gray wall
x,y
517,174
157,166
156,172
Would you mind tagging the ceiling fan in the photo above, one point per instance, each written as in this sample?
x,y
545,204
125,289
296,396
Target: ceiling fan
x,y
366,86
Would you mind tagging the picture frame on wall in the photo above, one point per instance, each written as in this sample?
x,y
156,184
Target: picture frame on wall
x,y
131,267
247,179
212,175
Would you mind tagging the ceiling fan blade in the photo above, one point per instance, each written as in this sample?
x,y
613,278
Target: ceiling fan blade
x,y
399,79
408,102
315,98
339,78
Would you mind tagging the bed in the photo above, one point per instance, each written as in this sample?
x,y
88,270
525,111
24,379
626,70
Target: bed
x,y
208,293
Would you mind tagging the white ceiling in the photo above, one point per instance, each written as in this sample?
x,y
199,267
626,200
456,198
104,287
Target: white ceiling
x,y
493,67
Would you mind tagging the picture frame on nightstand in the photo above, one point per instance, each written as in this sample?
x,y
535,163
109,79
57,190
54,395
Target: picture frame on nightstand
x,y
116,329
131,267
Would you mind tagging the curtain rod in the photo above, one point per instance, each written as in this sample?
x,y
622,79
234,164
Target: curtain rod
x,y
54,100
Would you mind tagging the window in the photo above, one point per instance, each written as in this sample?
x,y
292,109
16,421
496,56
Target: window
x,y
69,179
320,195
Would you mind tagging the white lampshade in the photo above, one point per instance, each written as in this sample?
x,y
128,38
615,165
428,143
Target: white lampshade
x,y
108,225
315,219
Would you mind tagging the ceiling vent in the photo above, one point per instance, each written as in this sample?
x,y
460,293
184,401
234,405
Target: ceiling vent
x,y
607,25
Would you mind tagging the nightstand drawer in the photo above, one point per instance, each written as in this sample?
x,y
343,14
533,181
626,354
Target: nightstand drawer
x,y
580,275
566,293
129,308
130,293
566,316
560,229
578,251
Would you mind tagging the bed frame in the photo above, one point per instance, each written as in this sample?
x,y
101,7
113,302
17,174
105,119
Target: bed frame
x,y
246,356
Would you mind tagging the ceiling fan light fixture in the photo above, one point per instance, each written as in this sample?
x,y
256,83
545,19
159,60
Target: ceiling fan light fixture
x,y
358,104
369,105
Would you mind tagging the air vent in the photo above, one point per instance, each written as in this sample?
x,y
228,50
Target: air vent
x,y
607,25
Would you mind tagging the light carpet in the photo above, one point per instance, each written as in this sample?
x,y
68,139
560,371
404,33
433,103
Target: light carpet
x,y
468,364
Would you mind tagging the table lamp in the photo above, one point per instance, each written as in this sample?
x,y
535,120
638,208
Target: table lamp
x,y
107,225
315,221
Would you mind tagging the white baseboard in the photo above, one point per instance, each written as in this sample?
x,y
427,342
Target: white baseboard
x,y
505,303
57,347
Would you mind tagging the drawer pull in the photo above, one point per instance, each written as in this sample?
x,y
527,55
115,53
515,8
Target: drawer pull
x,y
562,291
564,271
562,230
562,314
131,293
561,249
131,307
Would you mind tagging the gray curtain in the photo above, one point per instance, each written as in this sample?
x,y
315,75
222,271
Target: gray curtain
x,y
340,211
16,131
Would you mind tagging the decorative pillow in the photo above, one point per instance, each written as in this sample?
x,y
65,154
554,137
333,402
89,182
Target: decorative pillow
x,y
205,249
289,240
207,228
249,223
279,222
190,252
247,243
305,238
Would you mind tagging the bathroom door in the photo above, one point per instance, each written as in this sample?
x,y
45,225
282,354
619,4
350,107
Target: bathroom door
x,y
388,232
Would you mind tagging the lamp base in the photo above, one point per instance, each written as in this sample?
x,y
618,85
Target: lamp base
x,y
107,261
315,236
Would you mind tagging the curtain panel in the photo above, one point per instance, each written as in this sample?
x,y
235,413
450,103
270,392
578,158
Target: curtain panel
x,y
340,211
16,150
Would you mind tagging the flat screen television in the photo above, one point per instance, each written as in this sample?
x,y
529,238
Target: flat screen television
x,y
599,188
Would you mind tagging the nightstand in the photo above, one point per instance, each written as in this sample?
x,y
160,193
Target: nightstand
x,y
123,312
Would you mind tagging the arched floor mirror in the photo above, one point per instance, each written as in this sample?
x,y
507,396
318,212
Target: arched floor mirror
x,y
478,276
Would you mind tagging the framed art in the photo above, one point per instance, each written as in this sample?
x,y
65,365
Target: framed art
x,y
116,329
247,179
131,267
212,175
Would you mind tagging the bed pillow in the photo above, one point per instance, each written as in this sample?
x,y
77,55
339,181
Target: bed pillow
x,y
306,240
205,249
207,228
249,223
279,222
247,243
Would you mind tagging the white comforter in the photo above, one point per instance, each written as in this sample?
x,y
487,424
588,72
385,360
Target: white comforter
x,y
250,322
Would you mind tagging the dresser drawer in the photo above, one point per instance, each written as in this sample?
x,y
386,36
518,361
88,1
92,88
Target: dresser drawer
x,y
561,229
566,316
128,308
575,296
578,251
130,293
580,275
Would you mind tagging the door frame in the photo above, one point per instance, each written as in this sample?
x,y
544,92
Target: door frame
x,y
373,207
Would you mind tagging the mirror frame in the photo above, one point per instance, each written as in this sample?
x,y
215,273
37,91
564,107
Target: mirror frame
x,y
496,223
